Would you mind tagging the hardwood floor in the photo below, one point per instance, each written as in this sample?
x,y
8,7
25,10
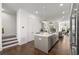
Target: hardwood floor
x,y
61,48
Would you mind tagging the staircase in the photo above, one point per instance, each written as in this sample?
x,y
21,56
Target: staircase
x,y
9,41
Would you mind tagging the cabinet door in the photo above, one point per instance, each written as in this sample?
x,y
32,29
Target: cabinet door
x,y
36,41
50,42
41,43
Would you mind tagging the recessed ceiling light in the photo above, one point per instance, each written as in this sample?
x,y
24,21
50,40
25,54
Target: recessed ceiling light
x,y
61,4
36,12
63,12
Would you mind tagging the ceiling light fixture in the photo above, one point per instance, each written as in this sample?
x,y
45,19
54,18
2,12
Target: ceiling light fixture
x,y
61,4
36,12
63,12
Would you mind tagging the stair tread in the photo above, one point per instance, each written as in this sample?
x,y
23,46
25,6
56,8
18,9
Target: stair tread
x,y
9,42
9,39
6,37
8,46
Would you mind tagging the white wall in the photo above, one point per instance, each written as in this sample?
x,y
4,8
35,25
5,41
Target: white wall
x,y
30,23
9,23
0,29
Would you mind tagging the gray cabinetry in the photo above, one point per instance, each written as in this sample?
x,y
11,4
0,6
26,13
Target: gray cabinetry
x,y
44,43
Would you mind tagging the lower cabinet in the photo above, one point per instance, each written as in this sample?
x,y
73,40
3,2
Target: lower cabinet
x,y
41,43
44,43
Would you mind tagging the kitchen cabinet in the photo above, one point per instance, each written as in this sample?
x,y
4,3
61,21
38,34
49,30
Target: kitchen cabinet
x,y
45,42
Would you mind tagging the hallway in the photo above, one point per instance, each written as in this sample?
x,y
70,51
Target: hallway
x,y
61,48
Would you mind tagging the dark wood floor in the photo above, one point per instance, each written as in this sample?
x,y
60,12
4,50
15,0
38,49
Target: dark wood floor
x,y
61,48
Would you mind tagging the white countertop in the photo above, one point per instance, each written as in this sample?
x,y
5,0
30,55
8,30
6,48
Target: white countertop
x,y
44,34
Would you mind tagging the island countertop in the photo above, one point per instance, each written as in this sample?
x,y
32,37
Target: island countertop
x,y
44,34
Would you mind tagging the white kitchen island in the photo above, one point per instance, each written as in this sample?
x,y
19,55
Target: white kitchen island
x,y
45,41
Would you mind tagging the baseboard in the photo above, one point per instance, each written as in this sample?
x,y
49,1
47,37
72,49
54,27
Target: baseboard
x,y
21,43
24,42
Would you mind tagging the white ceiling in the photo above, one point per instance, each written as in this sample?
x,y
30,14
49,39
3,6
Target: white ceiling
x,y
44,10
